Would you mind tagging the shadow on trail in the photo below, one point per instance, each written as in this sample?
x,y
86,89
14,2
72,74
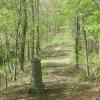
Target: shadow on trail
x,y
51,92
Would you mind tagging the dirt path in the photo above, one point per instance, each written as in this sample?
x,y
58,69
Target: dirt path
x,y
61,51
63,54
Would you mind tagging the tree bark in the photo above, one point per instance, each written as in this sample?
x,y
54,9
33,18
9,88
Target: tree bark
x,y
24,30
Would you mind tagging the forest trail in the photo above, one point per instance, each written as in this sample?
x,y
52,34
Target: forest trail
x,y
60,78
60,50
60,56
57,58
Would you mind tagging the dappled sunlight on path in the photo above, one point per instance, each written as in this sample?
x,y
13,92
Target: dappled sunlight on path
x,y
60,51
65,61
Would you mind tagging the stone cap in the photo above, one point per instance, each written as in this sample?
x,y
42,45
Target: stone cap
x,y
36,59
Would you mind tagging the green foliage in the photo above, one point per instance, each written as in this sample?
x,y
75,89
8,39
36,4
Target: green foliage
x,y
53,14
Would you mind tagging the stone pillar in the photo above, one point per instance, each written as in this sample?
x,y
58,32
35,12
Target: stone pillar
x,y
36,74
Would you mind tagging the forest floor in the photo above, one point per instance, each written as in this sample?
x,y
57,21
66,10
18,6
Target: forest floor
x,y
61,79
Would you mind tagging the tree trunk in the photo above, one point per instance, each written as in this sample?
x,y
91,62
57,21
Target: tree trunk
x,y
86,48
24,29
33,31
38,28
77,43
